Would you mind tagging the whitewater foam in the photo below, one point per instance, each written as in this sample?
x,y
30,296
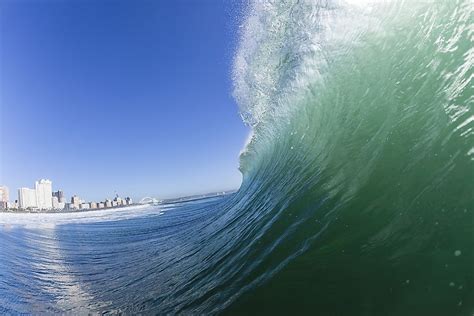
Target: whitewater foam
x,y
50,220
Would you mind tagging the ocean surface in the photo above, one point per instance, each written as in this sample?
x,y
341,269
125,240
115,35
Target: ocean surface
x,y
358,184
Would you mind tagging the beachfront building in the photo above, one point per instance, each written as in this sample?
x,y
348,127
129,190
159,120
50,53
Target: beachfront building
x,y
4,197
44,193
13,205
69,206
55,202
5,205
4,194
60,195
108,203
84,206
93,205
100,205
57,205
76,201
27,198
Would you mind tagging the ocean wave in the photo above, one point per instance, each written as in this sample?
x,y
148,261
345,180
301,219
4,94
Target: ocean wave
x,y
357,194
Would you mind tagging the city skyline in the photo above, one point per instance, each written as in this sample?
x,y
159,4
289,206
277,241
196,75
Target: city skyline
x,y
99,116
13,193
43,197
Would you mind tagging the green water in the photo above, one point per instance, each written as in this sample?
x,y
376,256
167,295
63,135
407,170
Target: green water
x,y
366,163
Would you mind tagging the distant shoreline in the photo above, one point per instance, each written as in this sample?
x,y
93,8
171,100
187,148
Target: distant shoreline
x,y
136,205
16,211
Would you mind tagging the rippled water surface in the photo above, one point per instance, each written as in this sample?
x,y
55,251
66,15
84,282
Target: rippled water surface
x,y
124,260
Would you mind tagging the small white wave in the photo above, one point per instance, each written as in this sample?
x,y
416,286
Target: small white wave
x,y
50,220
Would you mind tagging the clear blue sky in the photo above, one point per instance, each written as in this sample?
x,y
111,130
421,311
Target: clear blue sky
x,y
126,96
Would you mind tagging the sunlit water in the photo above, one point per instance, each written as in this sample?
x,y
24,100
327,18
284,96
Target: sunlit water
x,y
112,260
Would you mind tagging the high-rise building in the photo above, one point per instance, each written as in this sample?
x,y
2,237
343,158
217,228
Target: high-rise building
x,y
58,205
55,202
44,193
4,193
27,198
60,195
76,201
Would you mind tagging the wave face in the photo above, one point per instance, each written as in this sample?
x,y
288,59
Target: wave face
x,y
359,175
357,194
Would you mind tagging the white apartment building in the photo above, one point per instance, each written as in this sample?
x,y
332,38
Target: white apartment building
x,y
4,194
44,193
55,203
76,201
58,205
27,198
84,206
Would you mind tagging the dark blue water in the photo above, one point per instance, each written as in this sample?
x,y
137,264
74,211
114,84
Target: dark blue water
x,y
103,261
